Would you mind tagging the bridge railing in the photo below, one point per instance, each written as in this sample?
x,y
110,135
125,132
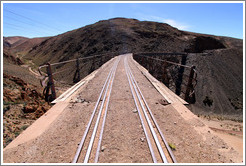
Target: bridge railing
x,y
171,69
57,75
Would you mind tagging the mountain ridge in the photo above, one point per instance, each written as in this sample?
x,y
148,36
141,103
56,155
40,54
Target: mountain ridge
x,y
122,35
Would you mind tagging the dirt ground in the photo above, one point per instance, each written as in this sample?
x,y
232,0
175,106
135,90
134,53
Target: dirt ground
x,y
123,131
124,125
230,131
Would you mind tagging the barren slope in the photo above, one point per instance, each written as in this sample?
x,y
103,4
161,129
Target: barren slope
x,y
18,44
114,35
219,60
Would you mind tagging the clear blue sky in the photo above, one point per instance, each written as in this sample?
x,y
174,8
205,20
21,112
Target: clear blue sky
x,y
49,19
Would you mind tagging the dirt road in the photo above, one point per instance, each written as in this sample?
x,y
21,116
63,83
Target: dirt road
x,y
123,140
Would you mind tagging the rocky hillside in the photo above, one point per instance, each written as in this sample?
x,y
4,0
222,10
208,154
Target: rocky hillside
x,y
220,81
219,60
14,40
22,105
21,45
114,35
23,101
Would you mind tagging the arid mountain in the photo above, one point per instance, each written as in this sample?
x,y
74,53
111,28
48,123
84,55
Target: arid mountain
x,y
15,39
9,58
6,44
123,35
218,60
28,44
114,35
21,44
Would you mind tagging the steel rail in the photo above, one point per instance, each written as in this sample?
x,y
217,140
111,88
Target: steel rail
x,y
170,62
155,122
72,60
148,121
90,121
98,118
104,119
141,119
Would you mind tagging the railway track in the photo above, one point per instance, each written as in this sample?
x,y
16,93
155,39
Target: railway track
x,y
90,144
159,148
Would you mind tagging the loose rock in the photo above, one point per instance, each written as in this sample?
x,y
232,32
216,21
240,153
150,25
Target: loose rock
x,y
103,148
163,102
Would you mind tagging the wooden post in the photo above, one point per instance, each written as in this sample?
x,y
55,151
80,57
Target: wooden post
x,y
189,85
50,85
76,77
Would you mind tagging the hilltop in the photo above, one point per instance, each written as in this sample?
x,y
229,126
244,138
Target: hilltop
x,y
219,60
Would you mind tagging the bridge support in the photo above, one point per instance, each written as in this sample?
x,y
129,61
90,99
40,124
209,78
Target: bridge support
x,y
190,84
50,86
76,77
